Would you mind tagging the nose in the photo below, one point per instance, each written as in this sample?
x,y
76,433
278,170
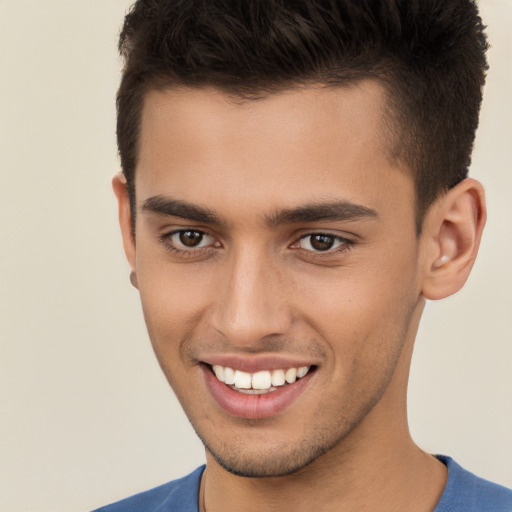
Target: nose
x,y
253,301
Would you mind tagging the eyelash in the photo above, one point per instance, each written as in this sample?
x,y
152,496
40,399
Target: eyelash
x,y
345,244
166,240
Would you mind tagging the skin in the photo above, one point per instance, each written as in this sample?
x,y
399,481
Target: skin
x,y
254,287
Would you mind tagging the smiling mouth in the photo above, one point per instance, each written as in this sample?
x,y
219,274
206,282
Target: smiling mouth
x,y
259,383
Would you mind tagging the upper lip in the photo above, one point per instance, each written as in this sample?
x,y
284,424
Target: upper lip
x,y
257,363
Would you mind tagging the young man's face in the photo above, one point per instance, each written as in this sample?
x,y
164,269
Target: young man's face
x,y
271,235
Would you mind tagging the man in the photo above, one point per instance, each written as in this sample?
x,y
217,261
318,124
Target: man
x,y
294,188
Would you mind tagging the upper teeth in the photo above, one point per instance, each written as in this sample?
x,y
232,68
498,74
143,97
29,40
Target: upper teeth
x,y
263,380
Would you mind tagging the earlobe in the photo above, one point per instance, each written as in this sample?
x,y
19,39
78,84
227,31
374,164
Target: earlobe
x,y
133,279
125,221
452,233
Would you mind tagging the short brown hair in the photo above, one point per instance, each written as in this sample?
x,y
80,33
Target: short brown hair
x,y
429,55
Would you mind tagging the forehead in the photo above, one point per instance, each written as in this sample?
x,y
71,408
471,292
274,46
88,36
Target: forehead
x,y
297,146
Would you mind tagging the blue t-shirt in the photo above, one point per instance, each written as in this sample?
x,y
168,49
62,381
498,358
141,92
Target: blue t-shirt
x,y
464,492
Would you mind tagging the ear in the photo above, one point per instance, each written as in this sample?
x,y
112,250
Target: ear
x,y
451,236
125,222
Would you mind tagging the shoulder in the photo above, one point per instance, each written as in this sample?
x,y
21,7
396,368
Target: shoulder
x,y
467,492
177,496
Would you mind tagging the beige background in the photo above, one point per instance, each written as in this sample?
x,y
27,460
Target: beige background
x,y
85,415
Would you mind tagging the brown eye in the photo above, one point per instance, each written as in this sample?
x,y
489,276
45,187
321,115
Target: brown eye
x,y
190,238
321,242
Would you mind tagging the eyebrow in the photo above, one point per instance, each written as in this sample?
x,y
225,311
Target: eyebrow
x,y
315,212
336,211
167,206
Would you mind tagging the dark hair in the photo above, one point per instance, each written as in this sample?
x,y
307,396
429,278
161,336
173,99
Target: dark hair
x,y
428,54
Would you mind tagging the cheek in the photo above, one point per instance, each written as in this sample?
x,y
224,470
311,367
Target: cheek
x,y
362,311
172,311
174,298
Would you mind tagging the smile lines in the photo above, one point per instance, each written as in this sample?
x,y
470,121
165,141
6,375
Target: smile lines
x,y
260,382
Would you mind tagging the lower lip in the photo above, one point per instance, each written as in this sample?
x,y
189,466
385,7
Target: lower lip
x,y
250,406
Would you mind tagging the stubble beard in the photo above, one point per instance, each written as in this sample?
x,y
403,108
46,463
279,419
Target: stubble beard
x,y
245,456
279,461
249,458
284,459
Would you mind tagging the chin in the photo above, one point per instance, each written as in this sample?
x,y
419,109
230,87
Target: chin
x,y
274,461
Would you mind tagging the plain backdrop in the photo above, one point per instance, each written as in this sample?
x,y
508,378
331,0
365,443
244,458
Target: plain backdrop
x,y
85,415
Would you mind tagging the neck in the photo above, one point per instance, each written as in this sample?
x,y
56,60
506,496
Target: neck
x,y
390,476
